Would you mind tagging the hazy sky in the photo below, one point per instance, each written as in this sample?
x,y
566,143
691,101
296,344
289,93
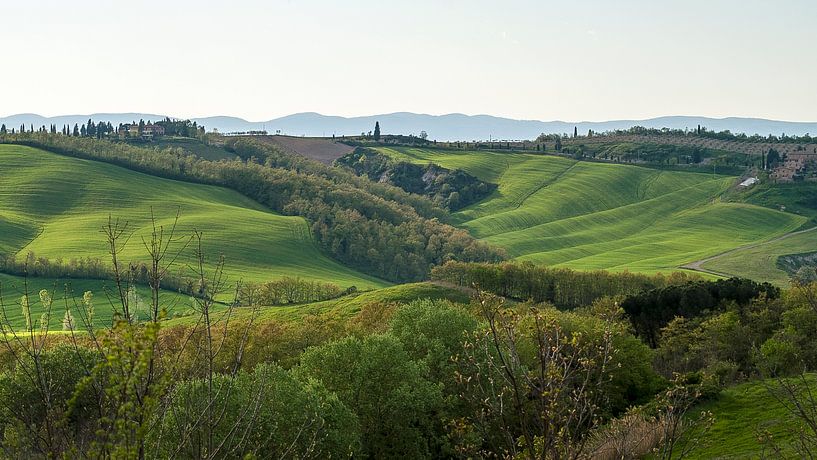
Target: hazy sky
x,y
546,60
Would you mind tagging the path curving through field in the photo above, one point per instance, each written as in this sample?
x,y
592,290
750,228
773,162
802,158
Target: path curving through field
x,y
698,264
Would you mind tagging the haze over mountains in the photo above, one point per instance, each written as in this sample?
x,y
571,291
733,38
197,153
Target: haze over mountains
x,y
440,127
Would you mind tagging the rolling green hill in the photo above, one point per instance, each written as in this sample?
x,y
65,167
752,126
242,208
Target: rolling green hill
x,y
589,215
741,413
760,262
349,305
55,206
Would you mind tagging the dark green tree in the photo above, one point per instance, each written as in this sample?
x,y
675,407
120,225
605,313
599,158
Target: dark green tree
x,y
377,130
773,159
3,129
76,130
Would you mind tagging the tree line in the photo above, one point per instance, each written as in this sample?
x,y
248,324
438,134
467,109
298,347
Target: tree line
x,y
562,287
289,290
651,310
376,228
449,189
103,129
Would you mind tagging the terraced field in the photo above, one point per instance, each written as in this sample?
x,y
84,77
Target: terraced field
x,y
586,215
55,206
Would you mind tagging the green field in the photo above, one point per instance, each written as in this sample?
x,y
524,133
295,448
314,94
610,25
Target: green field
x,y
68,294
56,206
760,262
588,215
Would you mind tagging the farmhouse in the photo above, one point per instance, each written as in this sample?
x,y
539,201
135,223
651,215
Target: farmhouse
x,y
794,167
149,131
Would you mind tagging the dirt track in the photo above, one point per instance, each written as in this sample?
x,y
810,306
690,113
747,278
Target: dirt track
x,y
698,265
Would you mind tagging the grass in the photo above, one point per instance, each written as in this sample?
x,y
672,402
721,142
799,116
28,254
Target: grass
x,y
68,294
761,262
589,215
798,198
348,306
741,413
56,206
194,146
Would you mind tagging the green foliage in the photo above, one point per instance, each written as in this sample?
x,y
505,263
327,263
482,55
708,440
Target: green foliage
x,y
652,310
562,287
267,413
378,380
34,416
450,189
131,390
288,290
71,292
433,332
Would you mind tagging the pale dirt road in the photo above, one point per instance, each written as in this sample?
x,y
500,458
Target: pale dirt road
x,y
698,265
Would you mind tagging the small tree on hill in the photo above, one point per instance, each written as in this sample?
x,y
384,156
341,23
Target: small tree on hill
x,y
377,130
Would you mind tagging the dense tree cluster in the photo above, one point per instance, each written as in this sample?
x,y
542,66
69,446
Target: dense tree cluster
x,y
385,388
75,268
376,228
562,287
86,268
653,309
184,128
288,290
702,131
450,189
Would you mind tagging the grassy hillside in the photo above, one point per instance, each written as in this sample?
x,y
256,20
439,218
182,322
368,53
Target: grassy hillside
x,y
68,294
588,215
741,413
349,305
55,206
194,146
760,262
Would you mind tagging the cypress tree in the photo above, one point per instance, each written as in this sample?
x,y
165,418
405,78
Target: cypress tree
x,y
377,130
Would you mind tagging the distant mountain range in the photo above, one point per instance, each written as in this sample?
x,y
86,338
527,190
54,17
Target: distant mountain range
x,y
441,127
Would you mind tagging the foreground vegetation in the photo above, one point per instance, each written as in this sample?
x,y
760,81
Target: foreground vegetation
x,y
422,370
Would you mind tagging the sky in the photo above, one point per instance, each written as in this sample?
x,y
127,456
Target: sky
x,y
544,60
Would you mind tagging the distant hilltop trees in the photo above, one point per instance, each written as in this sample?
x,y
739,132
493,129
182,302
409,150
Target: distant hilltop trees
x,y
140,130
699,131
